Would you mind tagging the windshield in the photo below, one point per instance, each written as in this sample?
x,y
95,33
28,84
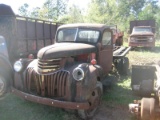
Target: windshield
x,y
142,29
78,35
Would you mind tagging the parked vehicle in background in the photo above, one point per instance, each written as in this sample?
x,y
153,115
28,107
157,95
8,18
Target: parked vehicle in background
x,y
117,36
142,33
20,37
69,74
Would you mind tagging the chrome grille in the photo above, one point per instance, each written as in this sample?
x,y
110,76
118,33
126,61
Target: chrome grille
x,y
142,39
50,85
49,65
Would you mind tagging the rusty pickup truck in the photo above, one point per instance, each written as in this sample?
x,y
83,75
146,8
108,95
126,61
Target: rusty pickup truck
x,y
142,33
69,73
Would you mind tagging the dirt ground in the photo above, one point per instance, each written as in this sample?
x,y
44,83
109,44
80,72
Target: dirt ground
x,y
106,112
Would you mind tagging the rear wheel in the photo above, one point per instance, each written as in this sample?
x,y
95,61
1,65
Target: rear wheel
x,y
3,86
123,65
94,101
147,108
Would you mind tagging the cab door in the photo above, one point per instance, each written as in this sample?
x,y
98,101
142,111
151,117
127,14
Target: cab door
x,y
106,51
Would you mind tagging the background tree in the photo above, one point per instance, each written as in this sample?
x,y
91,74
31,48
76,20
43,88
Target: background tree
x,y
23,10
51,10
35,13
73,15
110,12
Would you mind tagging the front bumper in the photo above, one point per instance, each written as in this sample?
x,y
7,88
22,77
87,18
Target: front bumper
x,y
51,102
142,44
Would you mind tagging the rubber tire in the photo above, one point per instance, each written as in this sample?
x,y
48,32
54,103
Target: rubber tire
x,y
4,89
147,109
123,66
83,114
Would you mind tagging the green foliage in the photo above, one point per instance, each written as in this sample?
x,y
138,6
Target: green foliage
x,y
35,12
23,10
73,15
51,10
104,11
120,93
119,12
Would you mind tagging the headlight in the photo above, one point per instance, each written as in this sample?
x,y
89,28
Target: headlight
x,y
132,39
150,39
78,74
18,66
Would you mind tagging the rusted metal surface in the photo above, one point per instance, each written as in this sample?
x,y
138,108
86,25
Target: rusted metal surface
x,y
142,38
50,65
50,85
34,31
120,51
117,35
103,60
51,102
26,34
142,23
142,44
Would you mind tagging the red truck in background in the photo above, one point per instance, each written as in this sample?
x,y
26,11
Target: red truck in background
x,y
117,36
142,33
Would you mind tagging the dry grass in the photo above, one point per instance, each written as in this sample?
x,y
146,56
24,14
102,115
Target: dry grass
x,y
142,56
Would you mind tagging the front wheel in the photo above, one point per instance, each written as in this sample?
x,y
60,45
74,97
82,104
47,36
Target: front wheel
x,y
95,100
3,86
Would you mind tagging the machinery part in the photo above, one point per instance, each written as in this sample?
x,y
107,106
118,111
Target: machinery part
x,y
3,86
147,109
94,101
119,41
123,65
142,80
146,87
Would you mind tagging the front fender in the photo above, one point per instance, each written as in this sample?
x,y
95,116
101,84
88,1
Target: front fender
x,y
6,70
85,87
6,66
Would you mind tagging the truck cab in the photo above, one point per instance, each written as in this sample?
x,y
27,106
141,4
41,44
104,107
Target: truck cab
x,y
69,73
142,36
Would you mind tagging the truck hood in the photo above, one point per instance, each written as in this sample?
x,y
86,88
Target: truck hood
x,y
142,34
59,50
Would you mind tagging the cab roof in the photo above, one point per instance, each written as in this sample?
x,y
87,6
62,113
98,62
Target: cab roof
x,y
95,26
142,26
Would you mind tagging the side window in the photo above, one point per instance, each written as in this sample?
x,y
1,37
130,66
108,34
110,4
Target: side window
x,y
60,36
106,39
